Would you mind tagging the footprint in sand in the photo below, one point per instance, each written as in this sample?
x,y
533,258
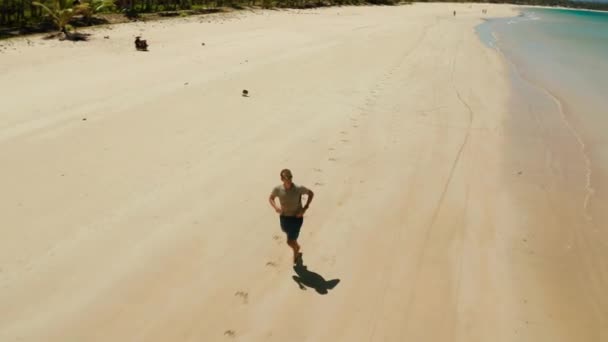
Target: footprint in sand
x,y
345,140
343,132
230,333
243,295
271,264
319,184
331,149
317,170
332,159
329,259
277,238
355,126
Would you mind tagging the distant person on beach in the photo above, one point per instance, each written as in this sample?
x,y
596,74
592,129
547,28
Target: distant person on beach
x,y
291,210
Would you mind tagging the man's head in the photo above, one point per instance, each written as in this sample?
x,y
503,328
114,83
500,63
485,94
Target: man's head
x,y
286,177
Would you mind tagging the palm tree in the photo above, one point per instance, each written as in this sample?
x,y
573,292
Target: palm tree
x,y
90,7
62,11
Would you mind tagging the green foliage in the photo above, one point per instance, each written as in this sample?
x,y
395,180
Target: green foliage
x,y
131,13
61,12
33,13
103,6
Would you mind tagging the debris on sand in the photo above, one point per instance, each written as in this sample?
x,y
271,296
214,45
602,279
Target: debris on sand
x,y
140,44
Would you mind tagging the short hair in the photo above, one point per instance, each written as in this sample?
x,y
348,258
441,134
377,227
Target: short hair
x,y
286,173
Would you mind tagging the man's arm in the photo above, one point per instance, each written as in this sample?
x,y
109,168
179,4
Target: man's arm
x,y
273,204
309,196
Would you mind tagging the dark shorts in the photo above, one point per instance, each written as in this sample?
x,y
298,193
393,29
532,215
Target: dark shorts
x,y
291,226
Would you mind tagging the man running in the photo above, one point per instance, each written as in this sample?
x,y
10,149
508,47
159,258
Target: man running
x,y
291,210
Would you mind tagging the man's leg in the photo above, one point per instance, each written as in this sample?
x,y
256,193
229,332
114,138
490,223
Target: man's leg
x,y
295,247
294,238
291,227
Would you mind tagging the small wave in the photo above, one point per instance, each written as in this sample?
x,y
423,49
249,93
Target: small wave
x,y
523,18
531,16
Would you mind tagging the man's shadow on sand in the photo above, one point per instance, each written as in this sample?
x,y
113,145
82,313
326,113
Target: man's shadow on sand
x,y
306,278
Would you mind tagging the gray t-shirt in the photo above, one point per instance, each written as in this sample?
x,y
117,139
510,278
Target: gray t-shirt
x,y
291,200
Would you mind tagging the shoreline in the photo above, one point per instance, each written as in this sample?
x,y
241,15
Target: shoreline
x,y
568,8
558,135
578,209
564,106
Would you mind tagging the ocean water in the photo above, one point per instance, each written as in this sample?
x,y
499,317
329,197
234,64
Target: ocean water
x,y
559,59
565,51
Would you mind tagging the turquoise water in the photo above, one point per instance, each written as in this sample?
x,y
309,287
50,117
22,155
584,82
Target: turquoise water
x,y
563,51
558,42
559,64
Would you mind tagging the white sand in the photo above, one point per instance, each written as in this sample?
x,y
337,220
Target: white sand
x,y
441,211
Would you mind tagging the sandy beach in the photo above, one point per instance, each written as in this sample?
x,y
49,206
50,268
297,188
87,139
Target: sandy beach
x,y
135,185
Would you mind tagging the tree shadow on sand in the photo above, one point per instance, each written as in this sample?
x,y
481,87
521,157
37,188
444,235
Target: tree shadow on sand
x,y
306,278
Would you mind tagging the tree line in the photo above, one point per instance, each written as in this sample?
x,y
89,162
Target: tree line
x,y
31,13
28,12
